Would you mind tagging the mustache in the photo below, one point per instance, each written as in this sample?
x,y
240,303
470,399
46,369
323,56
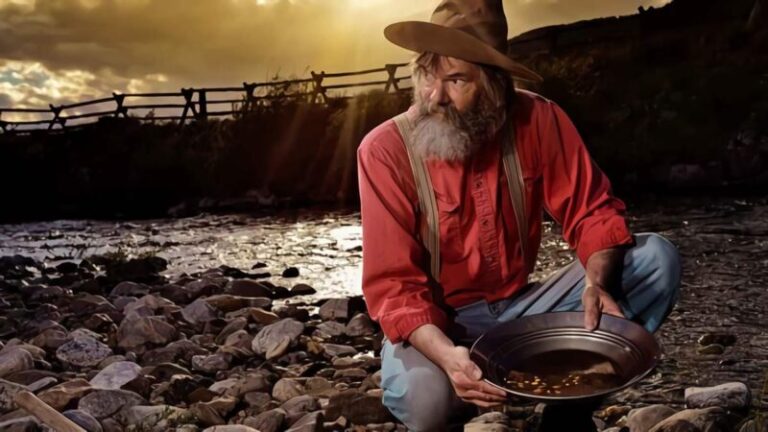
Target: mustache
x,y
445,113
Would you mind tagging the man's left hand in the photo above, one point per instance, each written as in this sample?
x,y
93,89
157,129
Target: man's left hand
x,y
597,301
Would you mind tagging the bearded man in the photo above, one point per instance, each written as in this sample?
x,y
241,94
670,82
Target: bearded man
x,y
452,195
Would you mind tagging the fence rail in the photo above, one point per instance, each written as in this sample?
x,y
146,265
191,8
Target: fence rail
x,y
195,103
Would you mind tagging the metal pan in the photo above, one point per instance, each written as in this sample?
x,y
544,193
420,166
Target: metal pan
x,y
630,348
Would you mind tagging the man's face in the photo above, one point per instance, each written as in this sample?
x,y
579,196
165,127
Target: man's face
x,y
453,83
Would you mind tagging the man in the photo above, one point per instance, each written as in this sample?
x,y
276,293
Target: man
x,y
466,115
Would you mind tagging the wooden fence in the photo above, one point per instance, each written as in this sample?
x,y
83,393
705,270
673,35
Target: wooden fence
x,y
200,103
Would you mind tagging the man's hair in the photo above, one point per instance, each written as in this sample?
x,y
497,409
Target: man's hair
x,y
497,85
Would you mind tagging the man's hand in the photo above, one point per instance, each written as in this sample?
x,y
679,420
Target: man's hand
x,y
603,274
466,378
597,301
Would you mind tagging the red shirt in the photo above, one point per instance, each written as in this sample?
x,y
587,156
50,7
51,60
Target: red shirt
x,y
479,239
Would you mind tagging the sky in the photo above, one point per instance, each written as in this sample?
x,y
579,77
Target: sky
x,y
61,51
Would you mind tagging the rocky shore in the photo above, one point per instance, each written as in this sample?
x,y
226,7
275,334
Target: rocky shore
x,y
117,344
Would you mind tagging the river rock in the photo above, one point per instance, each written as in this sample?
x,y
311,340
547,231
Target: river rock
x,y
135,332
212,363
127,289
311,422
83,351
231,303
116,375
230,428
643,419
302,289
248,288
105,403
15,360
357,407
286,389
8,391
735,395
156,418
60,396
335,309
707,419
84,420
336,350
274,340
360,325
268,421
199,312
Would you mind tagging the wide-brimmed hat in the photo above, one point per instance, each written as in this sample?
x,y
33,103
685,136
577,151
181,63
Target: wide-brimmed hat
x,y
471,30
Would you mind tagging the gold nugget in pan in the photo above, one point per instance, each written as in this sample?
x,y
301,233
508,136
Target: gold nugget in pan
x,y
564,373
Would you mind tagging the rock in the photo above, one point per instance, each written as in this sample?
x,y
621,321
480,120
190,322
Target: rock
x,y
291,272
335,350
755,426
233,326
360,325
116,375
156,418
311,422
8,391
257,401
83,351
60,396
707,419
334,309
273,340
212,363
643,419
262,316
711,349
330,329
134,333
248,288
286,389
215,411
105,403
148,305
357,407
351,374
230,428
733,395
51,338
487,427
302,289
296,407
42,383
715,338
320,387
199,312
127,289
21,424
84,420
268,421
15,360
181,350
253,382
230,303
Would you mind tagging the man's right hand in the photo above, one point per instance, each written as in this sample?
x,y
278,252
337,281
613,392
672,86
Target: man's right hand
x,y
466,378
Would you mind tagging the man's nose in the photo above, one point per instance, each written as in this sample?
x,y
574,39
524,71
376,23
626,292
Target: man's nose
x,y
439,95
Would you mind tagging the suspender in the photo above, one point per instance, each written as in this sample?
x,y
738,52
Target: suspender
x,y
430,234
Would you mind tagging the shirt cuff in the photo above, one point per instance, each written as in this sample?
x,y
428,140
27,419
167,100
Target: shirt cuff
x,y
398,326
605,237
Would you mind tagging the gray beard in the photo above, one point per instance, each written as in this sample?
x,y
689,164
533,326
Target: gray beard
x,y
447,135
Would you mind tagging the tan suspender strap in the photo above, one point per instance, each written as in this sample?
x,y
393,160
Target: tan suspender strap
x,y
430,235
515,183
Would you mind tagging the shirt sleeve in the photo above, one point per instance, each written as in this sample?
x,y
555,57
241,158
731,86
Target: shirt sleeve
x,y
576,192
395,286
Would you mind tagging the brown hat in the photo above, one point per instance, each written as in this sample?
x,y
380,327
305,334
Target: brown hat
x,y
471,30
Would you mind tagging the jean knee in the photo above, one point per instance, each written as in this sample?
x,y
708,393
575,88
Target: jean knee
x,y
421,398
664,260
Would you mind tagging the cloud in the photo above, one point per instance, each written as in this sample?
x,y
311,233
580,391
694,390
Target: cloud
x,y
114,44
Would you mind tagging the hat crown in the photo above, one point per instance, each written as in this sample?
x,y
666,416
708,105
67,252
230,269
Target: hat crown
x,y
483,19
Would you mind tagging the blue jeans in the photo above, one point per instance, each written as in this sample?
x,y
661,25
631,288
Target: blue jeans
x,y
419,393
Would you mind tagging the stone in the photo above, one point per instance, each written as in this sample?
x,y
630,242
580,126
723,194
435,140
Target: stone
x,y
231,303
357,407
353,374
258,401
714,349
707,419
15,360
83,351
311,422
230,428
319,387
199,312
127,289
21,424
116,375
148,305
717,338
302,289
734,395
134,333
360,325
180,350
286,389
335,350
273,340
643,419
291,272
60,396
268,421
211,363
262,316
335,309
255,381
84,420
105,403
330,329
51,338
156,418
239,339
248,288
42,383
487,427
231,327
214,411
8,392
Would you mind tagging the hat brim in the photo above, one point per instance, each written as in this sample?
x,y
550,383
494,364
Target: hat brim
x,y
420,36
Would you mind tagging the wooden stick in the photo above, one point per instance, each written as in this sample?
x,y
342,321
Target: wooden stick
x,y
45,413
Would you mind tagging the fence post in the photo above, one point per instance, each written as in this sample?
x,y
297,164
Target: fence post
x,y
119,99
249,99
56,113
189,105
319,89
201,99
391,81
